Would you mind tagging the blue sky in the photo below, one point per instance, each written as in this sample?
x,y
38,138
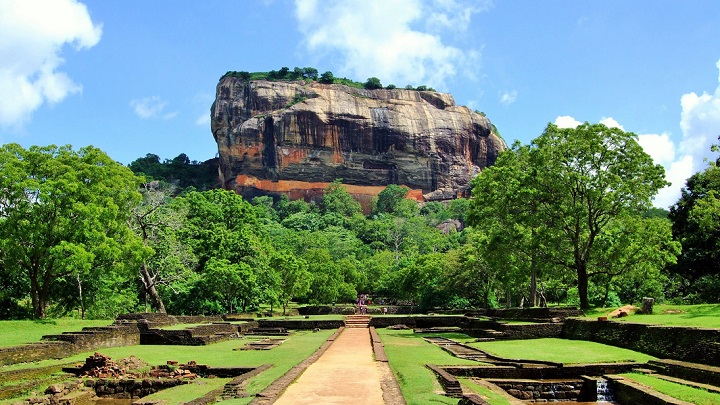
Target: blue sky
x,y
134,77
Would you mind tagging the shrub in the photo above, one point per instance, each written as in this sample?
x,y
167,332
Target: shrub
x,y
373,83
327,78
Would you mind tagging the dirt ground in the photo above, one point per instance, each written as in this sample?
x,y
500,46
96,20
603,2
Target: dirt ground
x,y
345,374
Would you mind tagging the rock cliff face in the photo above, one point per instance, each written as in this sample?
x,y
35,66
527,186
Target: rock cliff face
x,y
296,138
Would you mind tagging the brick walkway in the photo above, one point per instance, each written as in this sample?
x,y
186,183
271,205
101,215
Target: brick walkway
x,y
345,374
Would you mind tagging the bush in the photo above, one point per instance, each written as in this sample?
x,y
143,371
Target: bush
x,y
373,83
327,78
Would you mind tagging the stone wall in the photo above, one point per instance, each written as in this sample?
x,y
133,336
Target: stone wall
x,y
699,373
67,344
530,331
422,321
687,344
542,391
195,336
131,388
351,309
297,324
528,314
198,318
146,320
630,392
540,372
35,352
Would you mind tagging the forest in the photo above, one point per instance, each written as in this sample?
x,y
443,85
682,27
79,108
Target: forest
x,y
566,220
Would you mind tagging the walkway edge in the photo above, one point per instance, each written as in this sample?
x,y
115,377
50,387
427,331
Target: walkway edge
x,y
392,395
270,394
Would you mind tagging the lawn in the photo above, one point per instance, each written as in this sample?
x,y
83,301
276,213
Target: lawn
x,y
560,351
296,348
682,392
407,354
488,395
700,316
13,333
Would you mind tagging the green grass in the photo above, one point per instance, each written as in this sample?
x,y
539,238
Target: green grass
x,y
700,316
296,348
682,392
488,395
560,351
186,393
13,333
407,354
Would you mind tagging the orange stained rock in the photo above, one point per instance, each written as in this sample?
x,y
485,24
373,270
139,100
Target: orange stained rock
x,y
292,186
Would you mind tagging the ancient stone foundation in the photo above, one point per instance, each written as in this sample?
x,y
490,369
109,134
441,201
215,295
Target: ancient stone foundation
x,y
694,345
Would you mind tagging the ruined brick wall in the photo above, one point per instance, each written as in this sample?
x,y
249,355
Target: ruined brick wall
x,y
528,314
687,344
351,309
35,352
198,318
567,371
67,344
300,324
531,331
425,321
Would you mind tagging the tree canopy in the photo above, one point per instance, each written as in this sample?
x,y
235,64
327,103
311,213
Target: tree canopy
x,y
565,189
64,214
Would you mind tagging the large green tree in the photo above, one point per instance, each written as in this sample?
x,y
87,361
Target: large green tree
x,y
696,218
64,213
158,222
574,182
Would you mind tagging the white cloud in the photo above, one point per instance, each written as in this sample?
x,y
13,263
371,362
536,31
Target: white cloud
x,y
660,147
508,97
566,121
676,173
151,107
611,123
380,38
32,36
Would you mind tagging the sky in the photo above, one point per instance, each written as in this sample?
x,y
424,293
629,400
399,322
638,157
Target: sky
x,y
134,77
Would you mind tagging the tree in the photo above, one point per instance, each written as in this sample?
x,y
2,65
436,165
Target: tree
x,y
337,200
392,201
294,277
373,83
571,185
636,250
327,78
231,281
158,222
695,218
310,73
64,213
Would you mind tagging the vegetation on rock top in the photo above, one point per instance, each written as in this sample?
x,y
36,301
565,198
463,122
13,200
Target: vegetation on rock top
x,y
311,74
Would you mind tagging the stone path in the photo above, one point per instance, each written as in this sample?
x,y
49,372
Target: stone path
x,y
345,374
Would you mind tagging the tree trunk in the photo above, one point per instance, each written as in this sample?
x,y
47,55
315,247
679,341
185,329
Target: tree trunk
x,y
150,289
583,285
533,283
34,296
80,292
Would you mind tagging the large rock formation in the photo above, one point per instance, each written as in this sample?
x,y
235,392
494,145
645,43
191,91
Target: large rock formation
x,y
295,138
